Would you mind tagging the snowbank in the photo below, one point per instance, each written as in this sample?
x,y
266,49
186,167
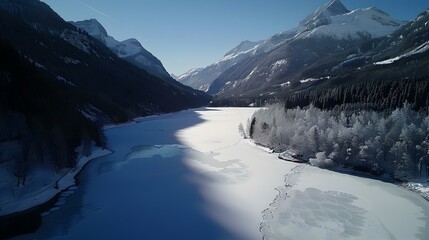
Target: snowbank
x,y
36,196
421,187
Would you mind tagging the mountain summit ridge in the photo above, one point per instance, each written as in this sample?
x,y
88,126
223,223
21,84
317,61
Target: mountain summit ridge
x,y
323,13
129,49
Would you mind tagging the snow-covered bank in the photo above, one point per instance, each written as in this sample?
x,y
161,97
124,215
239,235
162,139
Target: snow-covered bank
x,y
43,186
420,186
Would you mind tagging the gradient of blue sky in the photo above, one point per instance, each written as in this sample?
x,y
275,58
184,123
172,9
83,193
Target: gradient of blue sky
x,y
194,33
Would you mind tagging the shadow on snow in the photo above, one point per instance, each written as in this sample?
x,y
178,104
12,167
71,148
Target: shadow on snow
x,y
144,190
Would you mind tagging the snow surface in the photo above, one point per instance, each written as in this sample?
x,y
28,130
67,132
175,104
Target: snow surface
x,y
313,79
190,175
321,204
40,186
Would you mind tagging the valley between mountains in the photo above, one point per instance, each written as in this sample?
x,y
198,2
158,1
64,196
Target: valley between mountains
x,y
320,131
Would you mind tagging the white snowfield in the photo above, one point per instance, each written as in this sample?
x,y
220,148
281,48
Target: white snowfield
x,y
190,175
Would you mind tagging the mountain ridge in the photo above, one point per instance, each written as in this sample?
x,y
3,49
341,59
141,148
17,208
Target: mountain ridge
x,y
277,60
129,49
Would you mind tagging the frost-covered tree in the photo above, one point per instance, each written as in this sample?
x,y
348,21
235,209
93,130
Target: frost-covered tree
x,y
394,142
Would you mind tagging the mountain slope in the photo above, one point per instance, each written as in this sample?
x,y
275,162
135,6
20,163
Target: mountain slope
x,y
282,59
201,78
86,63
130,49
379,74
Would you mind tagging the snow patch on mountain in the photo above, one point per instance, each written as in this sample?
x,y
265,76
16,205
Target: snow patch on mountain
x,y
78,40
92,27
246,47
69,60
307,80
420,49
190,73
253,72
279,64
128,48
65,81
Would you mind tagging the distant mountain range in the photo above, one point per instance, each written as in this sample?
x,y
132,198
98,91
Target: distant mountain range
x,y
332,43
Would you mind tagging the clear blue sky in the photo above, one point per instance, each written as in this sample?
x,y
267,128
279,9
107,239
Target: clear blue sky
x,y
195,33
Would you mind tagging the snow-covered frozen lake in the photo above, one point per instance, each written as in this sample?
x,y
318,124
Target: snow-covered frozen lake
x,y
190,175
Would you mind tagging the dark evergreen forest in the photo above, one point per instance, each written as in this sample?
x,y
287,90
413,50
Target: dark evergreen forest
x,y
39,117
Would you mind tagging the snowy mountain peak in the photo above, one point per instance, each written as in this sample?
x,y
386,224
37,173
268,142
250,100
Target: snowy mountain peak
x,y
323,13
364,22
335,7
130,49
93,27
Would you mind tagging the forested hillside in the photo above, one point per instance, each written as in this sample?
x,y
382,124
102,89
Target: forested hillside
x,y
40,124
